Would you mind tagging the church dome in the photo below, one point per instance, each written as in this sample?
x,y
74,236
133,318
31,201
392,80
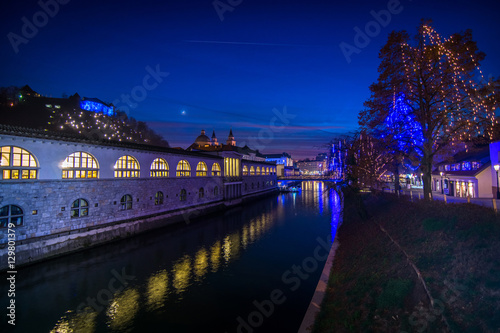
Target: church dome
x,y
202,139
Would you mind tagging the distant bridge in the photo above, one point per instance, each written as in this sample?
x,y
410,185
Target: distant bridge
x,y
325,178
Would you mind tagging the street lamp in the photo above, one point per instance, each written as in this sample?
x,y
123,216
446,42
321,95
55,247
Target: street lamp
x,y
497,166
442,190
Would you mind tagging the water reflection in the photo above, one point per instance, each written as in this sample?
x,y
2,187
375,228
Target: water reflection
x,y
122,309
157,290
214,249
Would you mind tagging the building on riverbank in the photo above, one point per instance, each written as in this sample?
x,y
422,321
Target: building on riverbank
x,y
63,193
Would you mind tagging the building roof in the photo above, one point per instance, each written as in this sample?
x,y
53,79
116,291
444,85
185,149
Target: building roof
x,y
481,155
59,136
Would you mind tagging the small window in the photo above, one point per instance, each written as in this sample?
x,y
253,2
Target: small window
x,y
201,193
446,167
257,171
79,208
126,202
252,171
216,169
159,198
11,214
159,168
245,170
201,169
246,187
183,195
183,169
216,191
252,186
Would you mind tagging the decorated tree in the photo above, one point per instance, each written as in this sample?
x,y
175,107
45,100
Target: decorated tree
x,y
446,99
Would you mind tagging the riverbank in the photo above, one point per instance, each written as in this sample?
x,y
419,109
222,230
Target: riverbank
x,y
395,256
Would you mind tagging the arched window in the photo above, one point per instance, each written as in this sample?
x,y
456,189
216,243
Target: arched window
x,y
216,169
79,208
159,168
183,169
258,185
216,191
246,187
252,186
267,171
127,167
126,202
257,171
183,195
245,170
17,163
201,192
201,169
11,214
252,171
80,165
159,198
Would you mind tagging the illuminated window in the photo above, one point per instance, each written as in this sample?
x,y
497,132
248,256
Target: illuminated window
x,y
466,166
127,167
79,208
252,171
201,169
216,191
159,198
11,214
183,195
267,171
216,169
476,165
126,202
17,163
257,171
446,167
183,169
80,165
201,192
245,170
159,168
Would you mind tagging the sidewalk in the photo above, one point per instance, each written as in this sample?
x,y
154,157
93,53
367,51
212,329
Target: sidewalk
x,y
418,193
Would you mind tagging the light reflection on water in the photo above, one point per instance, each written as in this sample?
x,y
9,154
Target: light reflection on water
x,y
153,292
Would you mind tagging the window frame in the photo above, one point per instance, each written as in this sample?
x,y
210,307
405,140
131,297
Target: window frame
x,y
9,156
201,169
180,170
70,172
127,171
79,208
125,203
156,170
5,220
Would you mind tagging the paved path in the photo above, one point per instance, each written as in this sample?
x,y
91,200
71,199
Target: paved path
x,y
418,193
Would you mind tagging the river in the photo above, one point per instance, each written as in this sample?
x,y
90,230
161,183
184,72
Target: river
x,y
253,268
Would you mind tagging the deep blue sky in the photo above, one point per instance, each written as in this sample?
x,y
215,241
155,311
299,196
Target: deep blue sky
x,y
264,55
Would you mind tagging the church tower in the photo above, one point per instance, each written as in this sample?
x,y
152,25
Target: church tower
x,y
214,139
230,139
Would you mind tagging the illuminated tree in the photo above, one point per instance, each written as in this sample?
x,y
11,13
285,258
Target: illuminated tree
x,y
445,94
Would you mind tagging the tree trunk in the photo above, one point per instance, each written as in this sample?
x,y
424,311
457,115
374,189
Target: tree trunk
x,y
426,166
397,186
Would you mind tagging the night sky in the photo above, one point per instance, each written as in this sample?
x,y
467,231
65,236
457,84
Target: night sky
x,y
271,70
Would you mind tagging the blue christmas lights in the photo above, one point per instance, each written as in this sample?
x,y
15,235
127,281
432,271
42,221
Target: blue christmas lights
x,y
96,107
407,131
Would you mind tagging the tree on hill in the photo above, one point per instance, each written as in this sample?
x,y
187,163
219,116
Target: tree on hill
x,y
445,93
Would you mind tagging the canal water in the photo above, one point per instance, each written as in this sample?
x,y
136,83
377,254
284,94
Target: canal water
x,y
253,268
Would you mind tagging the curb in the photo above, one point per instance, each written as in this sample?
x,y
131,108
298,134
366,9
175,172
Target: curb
x,y
319,293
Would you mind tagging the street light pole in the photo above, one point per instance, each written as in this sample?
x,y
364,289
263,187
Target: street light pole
x,y
497,166
442,189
